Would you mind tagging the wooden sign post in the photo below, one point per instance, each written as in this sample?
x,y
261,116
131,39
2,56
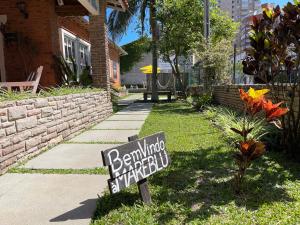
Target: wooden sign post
x,y
134,162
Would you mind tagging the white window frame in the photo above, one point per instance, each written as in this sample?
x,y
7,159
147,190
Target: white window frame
x,y
78,41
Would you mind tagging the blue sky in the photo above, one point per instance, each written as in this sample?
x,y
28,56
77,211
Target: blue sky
x,y
132,35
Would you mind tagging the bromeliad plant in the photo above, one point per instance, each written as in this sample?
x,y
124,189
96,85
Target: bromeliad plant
x,y
250,149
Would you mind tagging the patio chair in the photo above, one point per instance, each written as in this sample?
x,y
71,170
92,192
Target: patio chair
x,y
32,82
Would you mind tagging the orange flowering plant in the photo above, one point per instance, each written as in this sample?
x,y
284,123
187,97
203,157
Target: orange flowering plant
x,y
250,149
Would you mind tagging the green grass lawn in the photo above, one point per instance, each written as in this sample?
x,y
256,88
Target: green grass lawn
x,y
197,187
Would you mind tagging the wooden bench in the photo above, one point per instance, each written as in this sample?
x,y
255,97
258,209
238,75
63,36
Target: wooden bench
x,y
168,93
32,82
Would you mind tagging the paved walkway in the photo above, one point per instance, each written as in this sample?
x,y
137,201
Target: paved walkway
x,y
68,199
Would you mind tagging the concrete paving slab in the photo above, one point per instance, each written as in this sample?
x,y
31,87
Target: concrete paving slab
x,y
70,156
105,136
127,117
111,125
136,109
130,99
49,199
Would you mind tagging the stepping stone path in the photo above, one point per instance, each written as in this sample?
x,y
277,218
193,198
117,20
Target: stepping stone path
x,y
68,199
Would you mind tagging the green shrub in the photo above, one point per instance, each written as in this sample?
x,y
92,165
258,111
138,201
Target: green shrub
x,y
199,102
225,119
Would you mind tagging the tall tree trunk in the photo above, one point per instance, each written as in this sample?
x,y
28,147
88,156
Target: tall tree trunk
x,y
153,22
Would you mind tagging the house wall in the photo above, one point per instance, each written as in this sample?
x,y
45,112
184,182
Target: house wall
x,y
76,26
114,56
32,125
73,25
41,29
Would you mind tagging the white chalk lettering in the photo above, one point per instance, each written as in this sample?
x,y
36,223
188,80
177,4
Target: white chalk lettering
x,y
141,148
152,164
162,145
127,159
136,155
166,160
113,160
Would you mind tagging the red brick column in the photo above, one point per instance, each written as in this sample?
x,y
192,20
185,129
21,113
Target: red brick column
x,y
99,48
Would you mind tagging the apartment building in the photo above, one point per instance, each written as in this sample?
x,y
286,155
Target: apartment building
x,y
241,11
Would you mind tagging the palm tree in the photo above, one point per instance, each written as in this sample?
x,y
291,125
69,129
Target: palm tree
x,y
118,23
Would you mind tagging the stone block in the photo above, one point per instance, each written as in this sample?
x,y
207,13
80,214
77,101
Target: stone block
x,y
10,130
41,102
9,161
62,127
7,124
25,102
46,112
53,123
57,116
33,112
38,130
15,113
34,149
3,112
55,141
33,142
2,133
45,120
14,148
5,143
3,119
4,105
53,104
20,137
30,107
51,129
60,104
48,137
26,123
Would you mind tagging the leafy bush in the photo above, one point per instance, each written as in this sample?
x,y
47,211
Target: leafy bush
x,y
273,58
68,73
199,102
225,119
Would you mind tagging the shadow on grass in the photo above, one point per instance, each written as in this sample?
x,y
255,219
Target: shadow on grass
x,y
107,202
200,181
203,180
174,108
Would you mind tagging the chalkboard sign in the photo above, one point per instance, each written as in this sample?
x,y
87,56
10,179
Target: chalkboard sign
x,y
135,161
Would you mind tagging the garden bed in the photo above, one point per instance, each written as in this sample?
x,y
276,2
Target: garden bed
x,y
50,92
197,187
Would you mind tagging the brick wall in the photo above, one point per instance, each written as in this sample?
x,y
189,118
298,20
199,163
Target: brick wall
x,y
114,56
99,50
31,125
75,25
42,29
228,95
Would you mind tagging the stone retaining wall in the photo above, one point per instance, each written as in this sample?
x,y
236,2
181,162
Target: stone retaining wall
x,y
31,125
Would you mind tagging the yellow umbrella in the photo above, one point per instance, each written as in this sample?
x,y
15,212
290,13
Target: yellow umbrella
x,y
148,69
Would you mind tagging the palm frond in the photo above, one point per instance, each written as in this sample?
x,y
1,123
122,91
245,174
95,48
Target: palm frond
x,y
118,22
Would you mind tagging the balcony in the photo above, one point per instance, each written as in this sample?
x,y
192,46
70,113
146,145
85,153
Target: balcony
x,y
86,7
